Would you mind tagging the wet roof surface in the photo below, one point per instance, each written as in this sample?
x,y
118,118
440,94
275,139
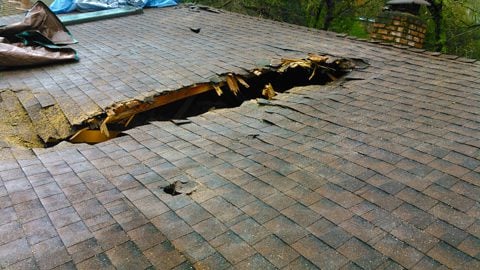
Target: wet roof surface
x,y
382,172
140,55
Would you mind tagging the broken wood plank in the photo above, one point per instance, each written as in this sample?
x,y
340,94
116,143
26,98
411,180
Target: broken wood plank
x,y
127,109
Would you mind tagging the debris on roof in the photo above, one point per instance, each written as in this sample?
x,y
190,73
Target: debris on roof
x,y
327,68
379,169
36,40
315,69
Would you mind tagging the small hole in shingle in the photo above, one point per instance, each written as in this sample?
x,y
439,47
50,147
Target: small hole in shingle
x,y
171,189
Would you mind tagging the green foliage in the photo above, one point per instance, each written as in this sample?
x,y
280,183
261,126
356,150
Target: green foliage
x,y
460,37
458,33
456,20
359,29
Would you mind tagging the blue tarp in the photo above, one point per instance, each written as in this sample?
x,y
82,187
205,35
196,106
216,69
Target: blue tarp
x,y
66,6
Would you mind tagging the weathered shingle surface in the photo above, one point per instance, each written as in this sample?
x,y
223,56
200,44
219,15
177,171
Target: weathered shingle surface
x,y
137,56
382,172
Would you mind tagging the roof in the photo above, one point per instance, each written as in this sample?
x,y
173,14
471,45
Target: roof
x,y
379,170
137,56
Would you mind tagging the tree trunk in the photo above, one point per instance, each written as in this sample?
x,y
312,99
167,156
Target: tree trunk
x,y
330,14
318,14
436,8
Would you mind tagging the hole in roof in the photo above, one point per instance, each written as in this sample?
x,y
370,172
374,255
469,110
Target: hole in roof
x,y
34,126
195,105
179,187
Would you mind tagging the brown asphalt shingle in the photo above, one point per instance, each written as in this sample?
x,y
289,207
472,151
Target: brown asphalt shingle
x,y
382,172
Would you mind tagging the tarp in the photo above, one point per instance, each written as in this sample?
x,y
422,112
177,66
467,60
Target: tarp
x,y
36,40
67,6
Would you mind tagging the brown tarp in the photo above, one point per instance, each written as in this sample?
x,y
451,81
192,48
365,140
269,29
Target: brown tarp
x,y
35,40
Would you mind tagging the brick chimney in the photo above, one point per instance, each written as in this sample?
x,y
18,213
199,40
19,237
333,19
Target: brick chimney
x,y
399,23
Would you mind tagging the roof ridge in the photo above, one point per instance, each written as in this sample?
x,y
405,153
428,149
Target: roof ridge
x,y
363,40
411,49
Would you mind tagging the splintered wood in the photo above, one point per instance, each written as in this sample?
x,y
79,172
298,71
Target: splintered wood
x,y
123,112
268,91
314,62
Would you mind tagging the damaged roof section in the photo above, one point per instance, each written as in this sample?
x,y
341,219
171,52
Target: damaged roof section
x,y
379,170
162,54
30,122
315,69
34,41
164,61
42,122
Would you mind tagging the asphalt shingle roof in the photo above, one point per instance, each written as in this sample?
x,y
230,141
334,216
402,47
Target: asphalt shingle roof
x,y
382,172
